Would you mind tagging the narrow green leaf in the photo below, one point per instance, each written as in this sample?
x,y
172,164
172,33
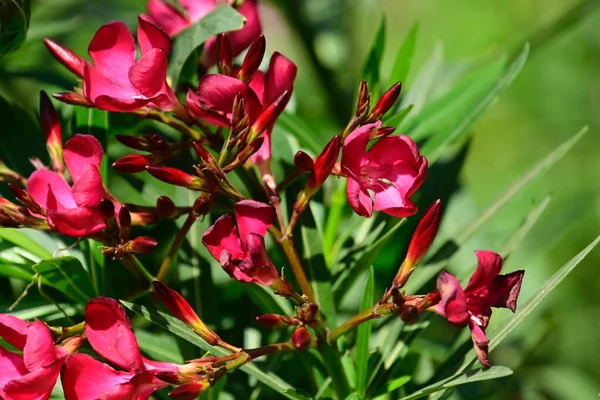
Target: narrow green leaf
x,y
398,383
43,311
363,337
405,56
372,65
22,240
397,119
420,90
436,145
477,375
221,19
178,328
159,346
297,127
13,271
67,275
14,22
533,216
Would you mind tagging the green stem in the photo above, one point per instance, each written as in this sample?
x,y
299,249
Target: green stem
x,y
166,263
173,123
132,262
377,311
292,255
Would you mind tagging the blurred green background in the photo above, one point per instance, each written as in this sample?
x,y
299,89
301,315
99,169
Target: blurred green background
x,y
553,352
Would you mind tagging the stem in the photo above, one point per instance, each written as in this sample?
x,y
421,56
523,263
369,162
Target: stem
x,y
377,311
270,349
166,263
292,255
227,346
132,262
173,123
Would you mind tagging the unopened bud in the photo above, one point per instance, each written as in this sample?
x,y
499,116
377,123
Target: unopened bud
x,y
362,101
273,321
124,224
189,391
66,57
133,142
10,176
165,207
269,115
385,103
324,163
307,313
201,205
381,132
25,198
253,58
132,163
409,314
52,131
176,177
301,338
142,245
73,98
303,162
225,56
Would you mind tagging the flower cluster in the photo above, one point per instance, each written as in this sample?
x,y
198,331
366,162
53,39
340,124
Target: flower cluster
x,y
382,171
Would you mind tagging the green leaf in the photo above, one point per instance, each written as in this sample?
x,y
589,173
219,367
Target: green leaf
x,y
178,328
67,275
420,90
477,375
44,311
434,147
533,216
364,336
405,56
398,118
22,240
398,383
221,19
159,346
371,69
297,127
13,271
14,22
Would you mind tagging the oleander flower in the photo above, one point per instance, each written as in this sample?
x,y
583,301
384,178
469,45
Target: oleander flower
x,y
390,171
472,305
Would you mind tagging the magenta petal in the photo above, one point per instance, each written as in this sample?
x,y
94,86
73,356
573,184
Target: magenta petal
x,y
159,366
113,51
107,94
76,222
88,190
84,378
165,99
167,17
198,8
12,367
393,149
354,152
108,330
36,385
253,217
151,36
257,84
489,265
39,349
262,270
39,183
480,343
116,104
148,74
222,236
453,303
13,330
280,77
504,290
242,38
359,198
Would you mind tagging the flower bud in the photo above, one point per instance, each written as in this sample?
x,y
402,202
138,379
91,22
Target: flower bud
x,y
419,244
165,207
301,338
269,115
307,313
142,245
252,60
385,103
132,163
176,177
124,224
303,162
66,57
25,199
409,314
324,163
52,131
181,310
189,391
272,321
201,205
133,142
225,57
73,98
362,101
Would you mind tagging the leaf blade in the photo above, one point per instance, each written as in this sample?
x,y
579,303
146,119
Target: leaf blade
x,y
363,337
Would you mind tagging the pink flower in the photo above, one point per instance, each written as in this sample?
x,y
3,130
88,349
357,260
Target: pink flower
x,y
173,22
241,251
72,210
116,81
473,305
108,330
216,93
32,374
392,169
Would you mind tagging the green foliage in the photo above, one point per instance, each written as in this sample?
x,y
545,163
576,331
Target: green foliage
x,y
14,23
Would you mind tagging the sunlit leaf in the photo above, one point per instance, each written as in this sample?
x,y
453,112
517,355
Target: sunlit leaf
x,y
67,275
363,337
371,69
404,56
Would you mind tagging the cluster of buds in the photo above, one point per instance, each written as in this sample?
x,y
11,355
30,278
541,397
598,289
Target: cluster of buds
x,y
306,316
160,151
139,245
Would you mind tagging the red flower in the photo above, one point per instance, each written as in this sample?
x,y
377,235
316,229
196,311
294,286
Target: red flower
x,y
116,81
473,305
32,374
108,330
73,210
392,169
216,94
241,251
173,22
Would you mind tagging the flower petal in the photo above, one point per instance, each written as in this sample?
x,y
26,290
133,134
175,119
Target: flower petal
x,y
359,198
107,95
253,217
262,270
151,36
12,367
36,385
480,343
280,77
354,152
84,378
108,330
166,17
504,290
88,190
389,200
113,51
148,74
223,236
489,265
39,349
241,38
42,180
453,303
13,330
81,151
75,222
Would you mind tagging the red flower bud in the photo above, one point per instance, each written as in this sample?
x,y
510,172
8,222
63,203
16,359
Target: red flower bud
x,y
253,58
201,205
25,199
165,207
132,163
324,163
387,101
189,391
363,100
225,56
143,245
272,321
133,142
124,224
303,162
73,98
175,176
301,338
420,242
52,131
181,310
66,57
269,115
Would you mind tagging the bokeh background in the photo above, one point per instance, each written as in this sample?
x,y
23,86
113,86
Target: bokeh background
x,y
554,353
